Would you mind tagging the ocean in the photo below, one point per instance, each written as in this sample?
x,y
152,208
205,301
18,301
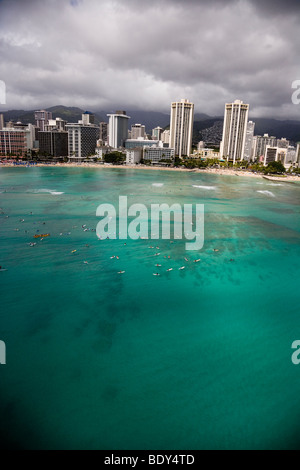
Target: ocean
x,y
192,359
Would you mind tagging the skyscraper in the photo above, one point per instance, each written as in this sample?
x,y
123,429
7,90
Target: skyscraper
x,y
249,141
117,129
181,127
1,121
234,131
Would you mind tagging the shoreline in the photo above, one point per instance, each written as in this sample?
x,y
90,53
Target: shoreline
x,y
215,171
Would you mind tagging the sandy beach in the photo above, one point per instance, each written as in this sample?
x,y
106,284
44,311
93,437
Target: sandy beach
x,y
216,171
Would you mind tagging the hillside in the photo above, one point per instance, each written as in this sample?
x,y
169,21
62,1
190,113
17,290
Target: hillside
x,y
288,129
70,114
211,129
205,127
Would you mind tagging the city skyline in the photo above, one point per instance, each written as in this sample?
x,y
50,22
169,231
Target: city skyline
x,y
107,55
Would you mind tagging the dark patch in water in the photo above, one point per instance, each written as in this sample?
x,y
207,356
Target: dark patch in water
x,y
38,324
110,393
102,345
279,210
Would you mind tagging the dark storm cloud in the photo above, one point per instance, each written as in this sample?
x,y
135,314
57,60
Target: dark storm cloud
x,y
134,53
269,6
284,7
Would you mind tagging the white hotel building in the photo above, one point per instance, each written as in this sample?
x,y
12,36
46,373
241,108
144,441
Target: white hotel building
x,y
117,129
234,131
181,127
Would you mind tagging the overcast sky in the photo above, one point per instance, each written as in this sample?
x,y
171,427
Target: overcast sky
x,y
136,54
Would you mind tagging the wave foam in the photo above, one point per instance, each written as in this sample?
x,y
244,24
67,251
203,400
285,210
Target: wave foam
x,y
48,191
208,188
267,193
158,185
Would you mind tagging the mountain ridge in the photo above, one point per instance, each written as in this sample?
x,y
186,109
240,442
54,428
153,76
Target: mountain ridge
x,y
151,119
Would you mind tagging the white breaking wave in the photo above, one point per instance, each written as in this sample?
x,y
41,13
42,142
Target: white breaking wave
x,y
208,188
158,185
267,193
274,184
49,191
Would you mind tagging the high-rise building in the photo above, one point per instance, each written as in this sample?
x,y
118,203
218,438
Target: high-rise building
x,y
54,143
82,140
103,131
283,143
156,133
291,156
165,137
298,155
117,129
181,127
138,130
42,119
88,118
1,122
234,131
249,141
56,124
262,142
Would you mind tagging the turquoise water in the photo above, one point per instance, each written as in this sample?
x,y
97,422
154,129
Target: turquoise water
x,y
194,359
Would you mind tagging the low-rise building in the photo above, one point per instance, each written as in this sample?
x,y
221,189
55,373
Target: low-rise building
x,y
287,156
205,153
13,142
140,142
157,154
102,150
275,154
134,156
17,141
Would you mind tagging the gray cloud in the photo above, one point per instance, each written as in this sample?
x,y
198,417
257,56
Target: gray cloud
x,y
136,54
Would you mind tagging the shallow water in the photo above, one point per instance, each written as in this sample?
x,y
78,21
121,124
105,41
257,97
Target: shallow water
x,y
198,358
